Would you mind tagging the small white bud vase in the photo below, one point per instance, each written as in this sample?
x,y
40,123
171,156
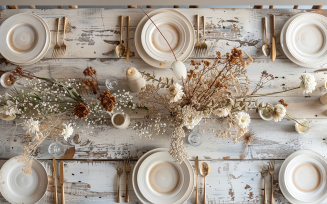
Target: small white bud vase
x,y
179,69
120,120
323,99
135,80
303,127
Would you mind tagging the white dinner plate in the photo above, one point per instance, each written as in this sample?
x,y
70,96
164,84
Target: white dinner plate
x,y
306,38
138,42
18,187
25,37
305,177
186,189
45,49
282,179
160,177
285,49
173,30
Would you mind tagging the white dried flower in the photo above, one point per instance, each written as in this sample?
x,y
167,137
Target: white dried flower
x,y
67,131
243,119
31,126
191,117
175,92
221,112
11,109
308,83
279,112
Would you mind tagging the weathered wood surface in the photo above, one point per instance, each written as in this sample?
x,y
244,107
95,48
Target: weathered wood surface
x,y
228,182
95,32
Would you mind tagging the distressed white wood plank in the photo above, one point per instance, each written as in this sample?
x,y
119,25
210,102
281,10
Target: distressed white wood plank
x,y
273,141
227,182
95,32
285,72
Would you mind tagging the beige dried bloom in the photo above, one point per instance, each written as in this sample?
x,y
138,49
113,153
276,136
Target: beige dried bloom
x,y
279,112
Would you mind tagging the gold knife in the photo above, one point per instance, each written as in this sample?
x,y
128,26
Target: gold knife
x,y
273,40
62,181
127,50
197,173
55,180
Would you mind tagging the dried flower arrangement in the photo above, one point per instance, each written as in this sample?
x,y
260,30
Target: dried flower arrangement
x,y
218,89
46,105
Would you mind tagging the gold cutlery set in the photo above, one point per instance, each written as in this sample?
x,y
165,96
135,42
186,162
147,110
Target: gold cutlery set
x,y
265,171
120,48
204,171
200,49
120,170
60,50
61,180
266,49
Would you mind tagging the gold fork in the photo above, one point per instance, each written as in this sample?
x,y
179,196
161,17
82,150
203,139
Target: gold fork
x,y
56,49
127,164
63,46
271,172
264,173
119,172
204,46
197,46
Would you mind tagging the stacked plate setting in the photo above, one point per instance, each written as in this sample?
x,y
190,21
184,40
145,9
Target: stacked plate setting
x,y
303,177
157,178
303,39
19,187
25,38
153,48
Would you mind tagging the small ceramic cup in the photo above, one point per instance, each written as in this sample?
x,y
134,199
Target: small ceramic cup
x,y
120,120
265,115
3,80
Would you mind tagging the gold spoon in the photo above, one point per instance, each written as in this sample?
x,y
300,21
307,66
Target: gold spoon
x,y
265,47
204,170
120,49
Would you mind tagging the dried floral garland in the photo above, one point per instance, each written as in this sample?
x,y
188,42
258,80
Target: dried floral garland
x,y
219,88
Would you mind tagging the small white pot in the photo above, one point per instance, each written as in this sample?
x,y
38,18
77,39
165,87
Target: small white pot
x,y
3,80
120,120
265,115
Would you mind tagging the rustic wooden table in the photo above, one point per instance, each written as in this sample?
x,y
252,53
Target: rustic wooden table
x,y
90,173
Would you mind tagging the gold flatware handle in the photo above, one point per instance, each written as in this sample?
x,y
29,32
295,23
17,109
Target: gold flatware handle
x,y
65,22
204,191
196,190
118,199
273,24
55,180
204,28
62,194
127,51
197,27
127,195
58,22
121,29
264,192
272,190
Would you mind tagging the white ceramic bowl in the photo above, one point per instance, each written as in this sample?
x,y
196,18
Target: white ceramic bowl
x,y
27,39
17,187
167,64
173,30
306,38
159,177
186,191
